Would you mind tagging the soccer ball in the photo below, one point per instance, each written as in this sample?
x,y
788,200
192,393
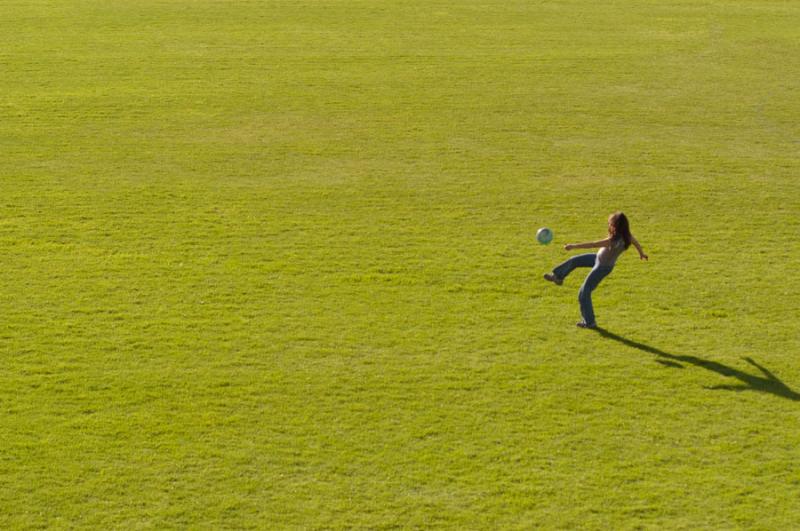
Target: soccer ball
x,y
544,235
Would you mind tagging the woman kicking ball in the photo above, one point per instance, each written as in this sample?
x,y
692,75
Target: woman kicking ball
x,y
602,263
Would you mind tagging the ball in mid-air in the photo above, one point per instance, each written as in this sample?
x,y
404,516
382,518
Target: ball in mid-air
x,y
544,235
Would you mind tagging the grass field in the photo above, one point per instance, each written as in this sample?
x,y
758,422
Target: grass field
x,y
272,264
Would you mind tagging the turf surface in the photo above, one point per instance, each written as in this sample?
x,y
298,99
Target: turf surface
x,y
272,264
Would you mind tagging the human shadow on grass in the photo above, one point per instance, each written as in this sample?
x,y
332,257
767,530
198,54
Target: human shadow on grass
x,y
768,383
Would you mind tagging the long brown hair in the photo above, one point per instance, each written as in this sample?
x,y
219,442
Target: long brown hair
x,y
618,227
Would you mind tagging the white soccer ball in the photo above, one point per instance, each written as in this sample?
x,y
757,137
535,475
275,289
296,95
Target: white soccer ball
x,y
544,235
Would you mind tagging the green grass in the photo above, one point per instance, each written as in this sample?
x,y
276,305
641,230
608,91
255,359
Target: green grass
x,y
272,264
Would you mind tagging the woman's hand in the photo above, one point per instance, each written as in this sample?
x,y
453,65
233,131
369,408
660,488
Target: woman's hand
x,y
642,256
569,247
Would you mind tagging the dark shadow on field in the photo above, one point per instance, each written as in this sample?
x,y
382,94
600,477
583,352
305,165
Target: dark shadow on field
x,y
768,383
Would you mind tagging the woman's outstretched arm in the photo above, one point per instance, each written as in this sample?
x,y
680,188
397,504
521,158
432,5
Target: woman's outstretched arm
x,y
635,243
588,245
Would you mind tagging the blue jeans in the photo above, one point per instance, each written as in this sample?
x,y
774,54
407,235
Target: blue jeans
x,y
598,273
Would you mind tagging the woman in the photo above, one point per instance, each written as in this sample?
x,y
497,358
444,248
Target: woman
x,y
602,263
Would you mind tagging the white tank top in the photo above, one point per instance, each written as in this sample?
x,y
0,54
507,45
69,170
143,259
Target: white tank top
x,y
607,256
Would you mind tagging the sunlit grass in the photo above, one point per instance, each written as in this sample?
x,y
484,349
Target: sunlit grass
x,y
272,264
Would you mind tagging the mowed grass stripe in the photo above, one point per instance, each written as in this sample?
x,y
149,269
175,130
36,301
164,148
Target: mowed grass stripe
x,y
271,264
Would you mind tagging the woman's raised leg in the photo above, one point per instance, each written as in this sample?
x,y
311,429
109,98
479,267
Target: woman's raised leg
x,y
582,260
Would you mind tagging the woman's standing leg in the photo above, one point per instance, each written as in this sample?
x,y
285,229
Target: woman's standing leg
x,y
581,260
594,277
